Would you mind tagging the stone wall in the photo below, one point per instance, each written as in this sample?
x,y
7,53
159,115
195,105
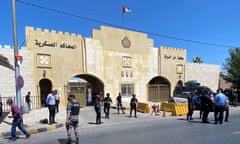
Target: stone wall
x,y
7,78
205,74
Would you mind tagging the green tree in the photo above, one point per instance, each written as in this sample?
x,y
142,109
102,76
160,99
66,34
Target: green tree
x,y
232,67
197,59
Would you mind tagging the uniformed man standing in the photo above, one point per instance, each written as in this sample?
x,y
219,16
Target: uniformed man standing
x,y
190,105
107,104
119,103
133,105
97,107
206,104
72,118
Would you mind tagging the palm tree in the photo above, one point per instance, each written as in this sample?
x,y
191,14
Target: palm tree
x,y
197,59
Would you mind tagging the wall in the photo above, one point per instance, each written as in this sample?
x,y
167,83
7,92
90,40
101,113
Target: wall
x,y
7,78
205,74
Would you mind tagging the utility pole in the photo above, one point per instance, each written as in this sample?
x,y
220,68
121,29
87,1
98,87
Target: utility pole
x,y
15,41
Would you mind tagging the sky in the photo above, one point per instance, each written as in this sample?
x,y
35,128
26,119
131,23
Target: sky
x,y
205,28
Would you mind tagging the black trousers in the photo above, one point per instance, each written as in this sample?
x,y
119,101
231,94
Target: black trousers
x,y
107,110
57,105
226,113
119,106
205,115
133,108
98,117
51,109
218,114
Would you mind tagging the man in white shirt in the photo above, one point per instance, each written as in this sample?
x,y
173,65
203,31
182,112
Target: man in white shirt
x,y
51,102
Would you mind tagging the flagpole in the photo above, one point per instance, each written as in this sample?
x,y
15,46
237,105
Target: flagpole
x,y
122,18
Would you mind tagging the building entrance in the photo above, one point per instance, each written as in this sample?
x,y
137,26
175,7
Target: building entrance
x,y
158,90
85,87
45,88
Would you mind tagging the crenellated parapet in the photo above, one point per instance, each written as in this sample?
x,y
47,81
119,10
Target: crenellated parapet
x,y
52,32
173,49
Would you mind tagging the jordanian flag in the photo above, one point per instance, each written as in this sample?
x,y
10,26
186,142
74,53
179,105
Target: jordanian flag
x,y
126,10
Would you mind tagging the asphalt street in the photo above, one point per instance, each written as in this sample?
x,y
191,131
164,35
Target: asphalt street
x,y
168,130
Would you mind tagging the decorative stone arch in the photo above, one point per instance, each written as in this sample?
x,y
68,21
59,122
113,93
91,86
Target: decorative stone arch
x,y
45,86
85,92
159,89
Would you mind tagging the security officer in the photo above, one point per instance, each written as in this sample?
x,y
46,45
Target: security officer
x,y
206,104
72,118
107,104
133,105
97,107
119,103
191,105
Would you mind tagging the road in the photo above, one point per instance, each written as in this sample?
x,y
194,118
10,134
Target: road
x,y
168,130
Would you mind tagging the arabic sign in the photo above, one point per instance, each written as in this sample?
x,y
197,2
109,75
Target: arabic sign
x,y
54,44
173,57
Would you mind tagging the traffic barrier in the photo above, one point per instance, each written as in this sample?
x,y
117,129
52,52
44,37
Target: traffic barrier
x,y
176,109
143,107
180,109
169,107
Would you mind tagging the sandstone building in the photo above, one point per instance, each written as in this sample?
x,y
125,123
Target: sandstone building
x,y
112,60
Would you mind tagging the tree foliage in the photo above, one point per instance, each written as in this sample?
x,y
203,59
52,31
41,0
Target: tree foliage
x,y
197,59
232,67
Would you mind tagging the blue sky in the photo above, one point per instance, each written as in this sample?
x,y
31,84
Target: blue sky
x,y
208,21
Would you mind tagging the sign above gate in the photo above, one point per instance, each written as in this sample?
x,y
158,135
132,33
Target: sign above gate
x,y
54,44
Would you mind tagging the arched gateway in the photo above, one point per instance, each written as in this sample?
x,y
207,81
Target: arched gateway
x,y
158,89
85,88
45,88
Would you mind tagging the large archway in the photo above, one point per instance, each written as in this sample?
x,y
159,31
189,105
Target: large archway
x,y
45,89
85,87
158,89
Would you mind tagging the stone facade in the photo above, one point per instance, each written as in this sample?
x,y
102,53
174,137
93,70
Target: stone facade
x,y
109,59
205,74
7,78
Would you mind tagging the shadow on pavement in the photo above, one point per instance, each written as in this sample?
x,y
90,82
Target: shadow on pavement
x,y
65,141
3,116
62,141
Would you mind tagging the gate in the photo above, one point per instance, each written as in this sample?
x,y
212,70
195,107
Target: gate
x,y
158,92
79,90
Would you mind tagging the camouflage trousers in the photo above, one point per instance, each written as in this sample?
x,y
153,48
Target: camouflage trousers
x,y
71,127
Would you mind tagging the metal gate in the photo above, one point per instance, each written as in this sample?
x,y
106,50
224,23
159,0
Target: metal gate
x,y
79,90
158,92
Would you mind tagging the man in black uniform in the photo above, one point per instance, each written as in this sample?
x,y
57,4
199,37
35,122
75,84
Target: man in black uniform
x,y
97,107
119,103
72,118
107,103
206,104
190,105
133,105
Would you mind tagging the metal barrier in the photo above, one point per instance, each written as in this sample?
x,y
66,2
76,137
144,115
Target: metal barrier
x,y
35,102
